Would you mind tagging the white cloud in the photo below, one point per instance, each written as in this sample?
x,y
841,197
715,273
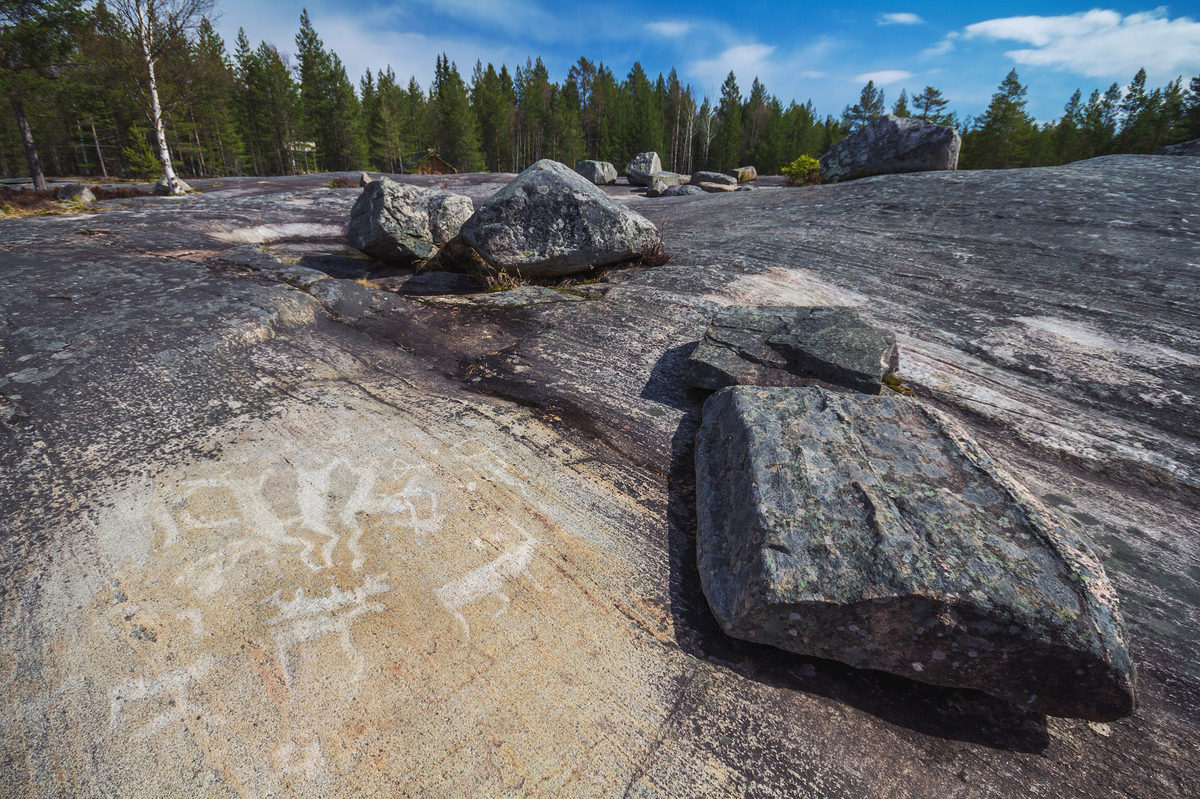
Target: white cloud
x,y
946,45
1099,43
899,18
745,60
670,28
884,76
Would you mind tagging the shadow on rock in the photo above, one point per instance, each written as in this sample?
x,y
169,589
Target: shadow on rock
x,y
666,384
956,714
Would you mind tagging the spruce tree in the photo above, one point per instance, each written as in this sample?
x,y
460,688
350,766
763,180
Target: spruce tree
x,y
1003,137
870,106
726,146
900,109
456,132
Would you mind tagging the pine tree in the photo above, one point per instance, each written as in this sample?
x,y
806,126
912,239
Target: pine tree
x,y
870,106
1003,136
1066,132
456,128
726,146
930,105
900,109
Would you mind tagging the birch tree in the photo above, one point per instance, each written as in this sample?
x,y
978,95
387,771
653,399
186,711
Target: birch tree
x,y
158,26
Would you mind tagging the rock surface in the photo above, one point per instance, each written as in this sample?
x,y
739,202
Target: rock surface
x,y
1183,148
75,192
194,447
657,187
875,532
715,188
792,346
550,221
890,145
716,178
641,167
402,224
602,173
682,191
744,174
670,178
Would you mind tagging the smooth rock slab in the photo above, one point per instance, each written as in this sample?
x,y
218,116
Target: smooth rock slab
x,y
875,532
602,173
550,221
890,145
641,167
792,346
403,224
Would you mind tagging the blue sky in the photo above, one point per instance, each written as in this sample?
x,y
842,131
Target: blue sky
x,y
825,52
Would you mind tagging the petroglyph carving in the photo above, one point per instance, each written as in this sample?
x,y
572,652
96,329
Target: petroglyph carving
x,y
173,688
302,619
487,580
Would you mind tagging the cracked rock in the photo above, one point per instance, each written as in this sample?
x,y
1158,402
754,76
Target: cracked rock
x,y
875,532
402,224
792,346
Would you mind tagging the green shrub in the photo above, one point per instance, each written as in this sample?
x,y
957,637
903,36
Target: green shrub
x,y
805,170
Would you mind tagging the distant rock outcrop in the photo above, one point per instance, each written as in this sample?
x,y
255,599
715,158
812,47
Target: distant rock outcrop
x,y
875,532
641,167
792,346
1183,148
601,173
719,178
550,221
403,224
889,145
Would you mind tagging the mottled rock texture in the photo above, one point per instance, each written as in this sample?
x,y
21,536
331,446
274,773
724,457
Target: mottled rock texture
x,y
875,532
718,178
792,346
682,191
890,145
656,187
671,178
641,167
602,173
402,224
75,192
550,221
165,186
1183,148
744,174
715,188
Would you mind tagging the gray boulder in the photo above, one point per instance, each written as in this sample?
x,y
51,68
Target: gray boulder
x,y
716,188
171,187
874,531
657,187
890,145
601,173
682,191
641,167
712,177
670,178
1183,148
75,192
792,346
550,221
402,224
744,174
364,179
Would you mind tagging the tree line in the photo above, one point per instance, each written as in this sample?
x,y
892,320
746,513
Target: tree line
x,y
91,96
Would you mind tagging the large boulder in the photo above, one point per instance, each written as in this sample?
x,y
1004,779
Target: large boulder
x,y
75,192
682,191
718,178
601,173
875,532
792,346
402,224
744,174
889,145
550,221
670,178
174,186
641,167
1183,148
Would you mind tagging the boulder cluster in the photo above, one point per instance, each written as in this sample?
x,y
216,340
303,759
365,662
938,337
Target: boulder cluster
x,y
842,521
645,169
547,222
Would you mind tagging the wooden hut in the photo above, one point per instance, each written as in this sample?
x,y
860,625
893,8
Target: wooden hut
x,y
428,163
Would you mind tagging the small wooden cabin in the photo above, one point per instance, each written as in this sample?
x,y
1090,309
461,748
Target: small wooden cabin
x,y
428,163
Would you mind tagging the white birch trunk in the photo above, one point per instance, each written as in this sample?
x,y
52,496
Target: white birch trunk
x,y
169,183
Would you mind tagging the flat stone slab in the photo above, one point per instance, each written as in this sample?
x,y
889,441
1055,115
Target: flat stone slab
x,y
792,346
875,532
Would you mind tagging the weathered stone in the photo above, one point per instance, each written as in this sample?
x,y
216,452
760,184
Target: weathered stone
x,y
744,174
657,187
641,167
75,192
1183,148
875,532
715,187
168,187
719,178
551,221
670,178
602,173
682,191
746,188
890,145
792,346
402,224
364,179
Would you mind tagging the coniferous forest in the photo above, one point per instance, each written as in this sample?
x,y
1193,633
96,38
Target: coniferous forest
x,y
80,103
